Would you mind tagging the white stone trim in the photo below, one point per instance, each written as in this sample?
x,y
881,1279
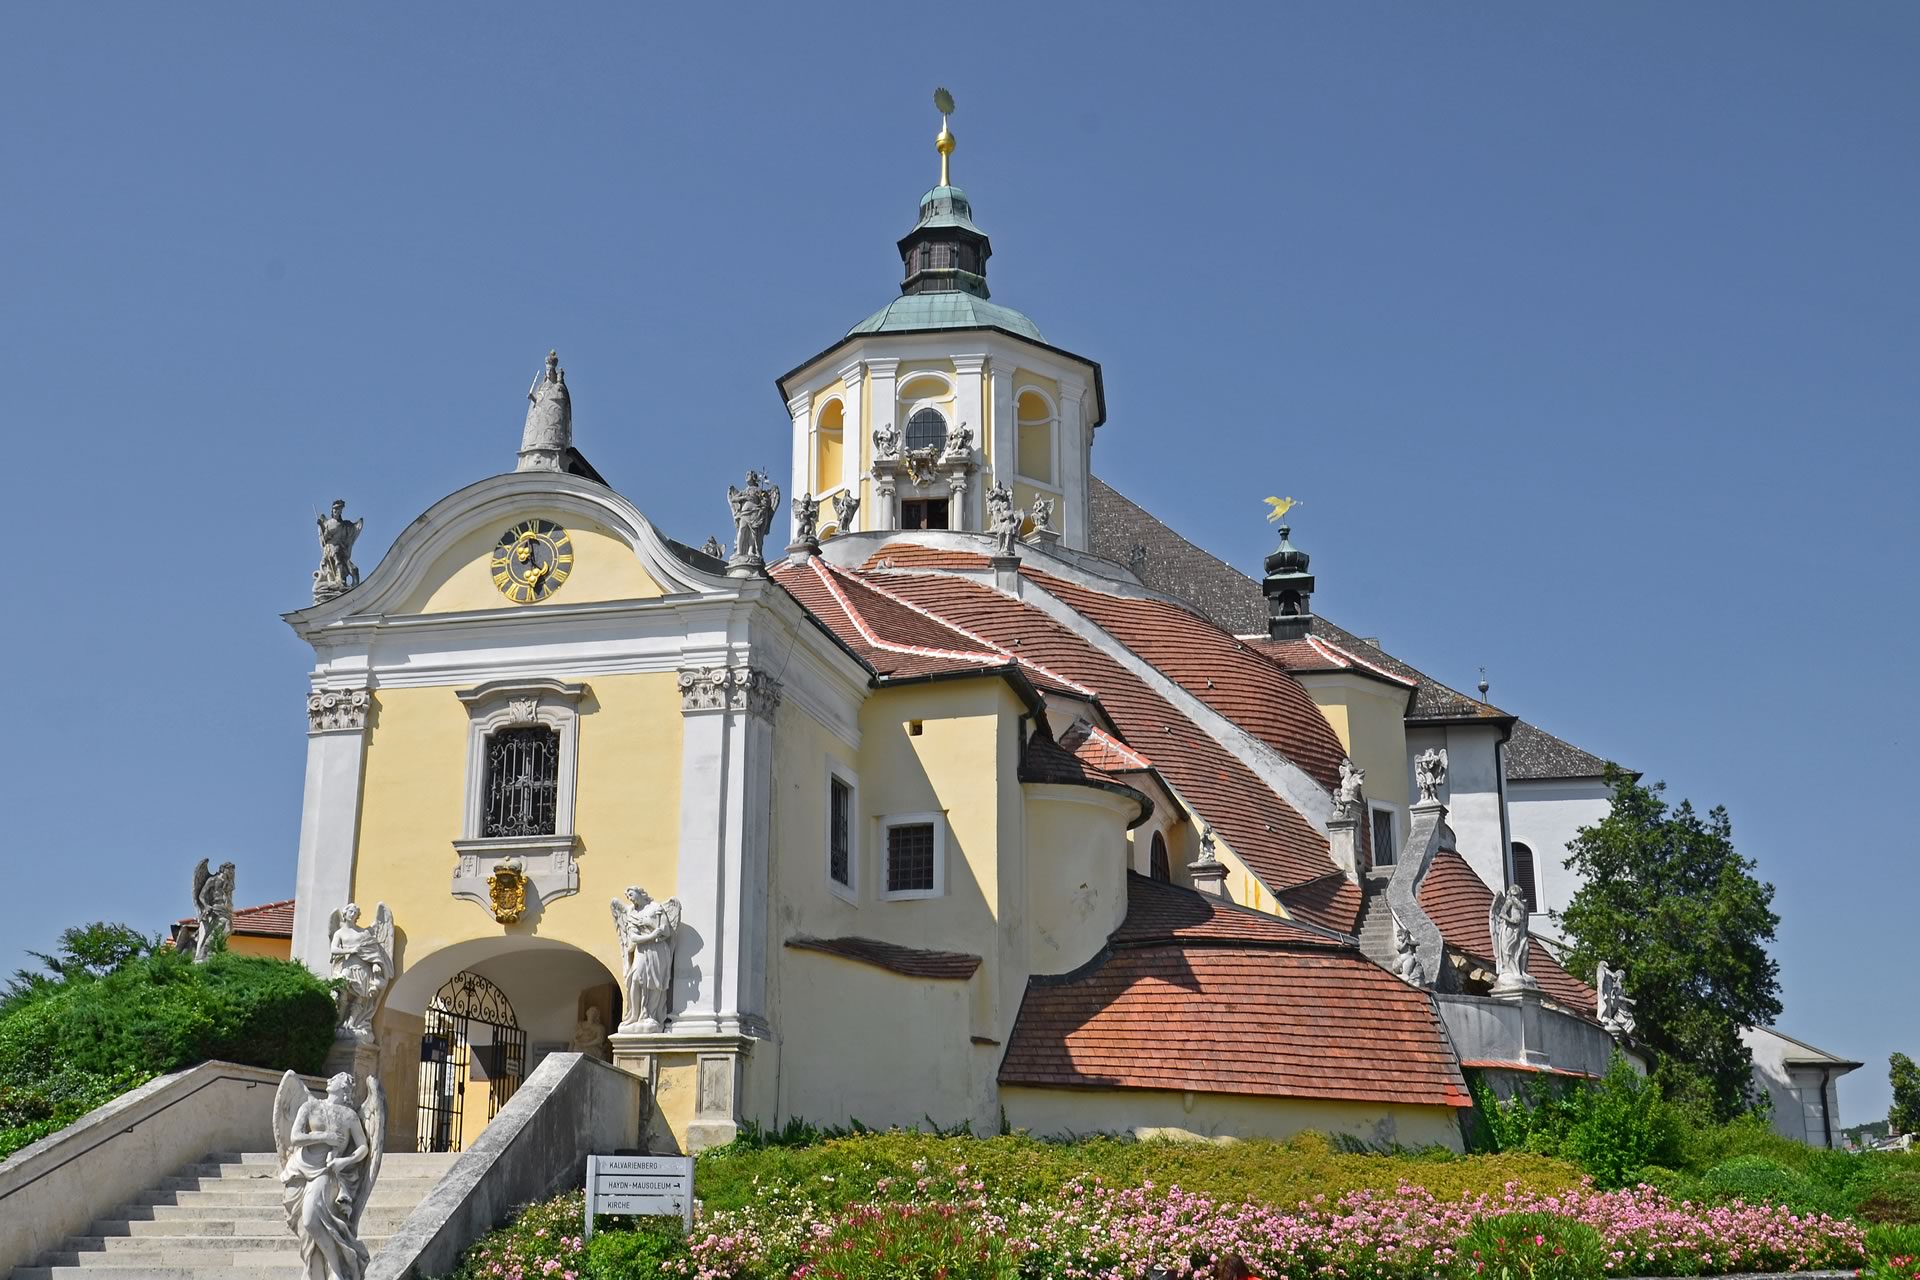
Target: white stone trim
x,y
850,891
853,377
338,710
329,835
547,860
892,820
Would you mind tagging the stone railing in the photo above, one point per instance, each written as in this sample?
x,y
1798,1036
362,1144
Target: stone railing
x,y
1523,1034
55,1187
570,1107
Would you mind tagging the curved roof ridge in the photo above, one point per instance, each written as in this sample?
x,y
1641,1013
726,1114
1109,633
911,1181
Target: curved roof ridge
x,y
827,576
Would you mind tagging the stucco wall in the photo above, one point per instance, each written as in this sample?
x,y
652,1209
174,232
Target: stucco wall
x,y
604,568
1544,816
1472,793
1155,1113
1076,867
1805,1097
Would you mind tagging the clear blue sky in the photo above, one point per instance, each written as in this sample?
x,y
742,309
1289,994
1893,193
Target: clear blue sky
x,y
1588,335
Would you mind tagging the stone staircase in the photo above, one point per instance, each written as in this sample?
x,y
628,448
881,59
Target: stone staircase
x,y
220,1219
1376,920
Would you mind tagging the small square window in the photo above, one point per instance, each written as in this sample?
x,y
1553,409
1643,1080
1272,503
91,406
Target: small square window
x,y
910,858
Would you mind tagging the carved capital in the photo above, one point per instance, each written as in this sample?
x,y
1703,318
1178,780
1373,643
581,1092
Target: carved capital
x,y
729,689
338,710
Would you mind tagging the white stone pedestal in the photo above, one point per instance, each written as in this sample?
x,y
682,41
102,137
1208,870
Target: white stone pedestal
x,y
358,1058
695,1083
1522,990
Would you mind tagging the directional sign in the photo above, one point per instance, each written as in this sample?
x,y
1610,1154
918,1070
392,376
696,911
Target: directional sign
x,y
649,1185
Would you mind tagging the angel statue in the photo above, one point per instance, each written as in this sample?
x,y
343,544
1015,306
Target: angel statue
x,y
1615,1010
886,441
337,572
646,931
363,960
1003,520
1346,795
1042,516
213,904
329,1158
753,509
1430,774
845,506
1507,923
806,519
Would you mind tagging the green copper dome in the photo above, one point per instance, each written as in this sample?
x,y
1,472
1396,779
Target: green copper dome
x,y
946,311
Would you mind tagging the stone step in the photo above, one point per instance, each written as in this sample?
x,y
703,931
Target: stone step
x,y
149,1246
407,1191
244,1271
176,1221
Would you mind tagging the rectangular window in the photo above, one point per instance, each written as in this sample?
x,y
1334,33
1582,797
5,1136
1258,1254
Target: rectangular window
x,y
523,775
923,513
911,858
1384,851
840,832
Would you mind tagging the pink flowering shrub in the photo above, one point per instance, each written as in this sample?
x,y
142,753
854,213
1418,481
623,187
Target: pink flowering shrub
x,y
927,1241
543,1243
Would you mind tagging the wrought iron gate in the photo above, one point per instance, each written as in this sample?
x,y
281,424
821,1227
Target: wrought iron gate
x,y
447,1052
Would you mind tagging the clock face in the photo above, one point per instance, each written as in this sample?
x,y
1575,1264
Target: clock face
x,y
531,560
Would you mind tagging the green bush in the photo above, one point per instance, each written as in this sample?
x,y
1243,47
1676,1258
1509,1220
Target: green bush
x,y
1893,1253
163,1012
1758,1180
639,1254
70,1044
1887,1194
911,1242
1611,1128
1530,1246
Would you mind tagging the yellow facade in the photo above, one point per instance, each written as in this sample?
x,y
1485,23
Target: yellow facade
x,y
413,807
1170,1113
1369,716
604,568
241,944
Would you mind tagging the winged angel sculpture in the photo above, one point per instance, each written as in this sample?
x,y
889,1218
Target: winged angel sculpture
x,y
329,1158
363,959
213,905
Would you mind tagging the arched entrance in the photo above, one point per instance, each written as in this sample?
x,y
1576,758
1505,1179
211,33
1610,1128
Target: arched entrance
x,y
473,1055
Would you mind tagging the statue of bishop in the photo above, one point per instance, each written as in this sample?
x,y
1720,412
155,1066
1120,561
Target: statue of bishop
x,y
549,430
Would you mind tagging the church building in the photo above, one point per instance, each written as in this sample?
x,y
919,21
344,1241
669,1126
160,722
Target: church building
x,y
957,803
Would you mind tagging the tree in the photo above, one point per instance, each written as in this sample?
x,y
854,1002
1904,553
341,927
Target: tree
x,y
1666,895
85,951
1904,1115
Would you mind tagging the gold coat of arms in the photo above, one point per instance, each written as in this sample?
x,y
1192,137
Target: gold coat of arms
x,y
507,890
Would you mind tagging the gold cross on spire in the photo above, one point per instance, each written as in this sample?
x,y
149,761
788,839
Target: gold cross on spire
x,y
943,103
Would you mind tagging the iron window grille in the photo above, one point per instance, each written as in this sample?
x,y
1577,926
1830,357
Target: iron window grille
x,y
523,782
840,833
1384,852
927,429
910,858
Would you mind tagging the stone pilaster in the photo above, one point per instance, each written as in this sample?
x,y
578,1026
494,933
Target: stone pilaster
x,y
329,816
855,442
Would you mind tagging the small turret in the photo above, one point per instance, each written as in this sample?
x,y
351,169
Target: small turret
x,y
1289,591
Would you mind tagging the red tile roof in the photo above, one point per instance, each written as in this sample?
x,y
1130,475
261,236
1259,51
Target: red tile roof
x,y
1161,912
1332,902
268,920
911,962
1101,750
1317,653
911,555
1045,760
1226,1007
893,641
1458,902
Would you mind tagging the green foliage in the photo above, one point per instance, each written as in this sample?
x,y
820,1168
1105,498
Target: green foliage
x,y
71,1043
1889,1194
1893,1253
1530,1246
1668,890
637,1254
1611,1128
912,1242
843,1171
1758,1180
543,1239
1904,1115
85,951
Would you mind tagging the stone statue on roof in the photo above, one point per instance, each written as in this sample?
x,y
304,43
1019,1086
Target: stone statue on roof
x,y
845,507
1003,519
1507,926
753,509
212,907
548,433
1346,794
959,442
1406,956
886,441
337,573
1614,1007
1430,774
1042,515
806,519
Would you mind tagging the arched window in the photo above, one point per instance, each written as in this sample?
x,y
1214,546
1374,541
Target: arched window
x,y
829,439
1523,875
1157,865
1035,444
927,429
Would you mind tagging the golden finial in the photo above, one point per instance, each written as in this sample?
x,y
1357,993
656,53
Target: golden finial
x,y
943,103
